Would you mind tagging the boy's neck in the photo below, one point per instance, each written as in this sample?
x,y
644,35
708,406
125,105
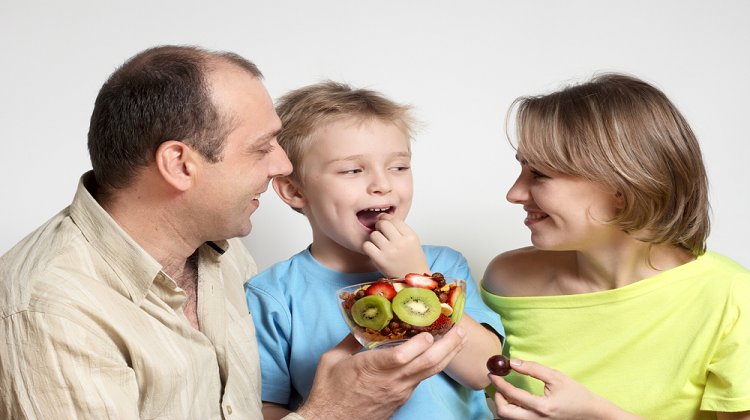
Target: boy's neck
x,y
341,259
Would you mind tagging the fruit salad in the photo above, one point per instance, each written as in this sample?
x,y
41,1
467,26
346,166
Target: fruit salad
x,y
391,310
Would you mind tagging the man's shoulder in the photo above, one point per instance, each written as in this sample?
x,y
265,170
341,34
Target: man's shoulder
x,y
45,259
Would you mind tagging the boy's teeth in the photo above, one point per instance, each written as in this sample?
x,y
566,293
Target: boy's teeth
x,y
383,209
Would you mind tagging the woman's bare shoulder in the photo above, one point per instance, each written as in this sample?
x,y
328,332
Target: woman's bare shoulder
x,y
521,272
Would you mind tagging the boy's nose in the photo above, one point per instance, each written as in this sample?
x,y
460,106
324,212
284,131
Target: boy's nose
x,y
379,184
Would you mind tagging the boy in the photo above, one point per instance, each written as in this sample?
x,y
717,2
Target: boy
x,y
352,180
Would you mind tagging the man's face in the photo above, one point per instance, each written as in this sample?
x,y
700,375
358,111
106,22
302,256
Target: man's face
x,y
227,192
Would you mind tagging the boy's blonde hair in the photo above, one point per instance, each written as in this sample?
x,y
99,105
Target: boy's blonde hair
x,y
627,135
305,110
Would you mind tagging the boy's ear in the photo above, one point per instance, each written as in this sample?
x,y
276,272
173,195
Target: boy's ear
x,y
175,162
289,191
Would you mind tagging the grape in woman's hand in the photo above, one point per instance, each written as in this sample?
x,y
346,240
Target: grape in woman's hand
x,y
498,365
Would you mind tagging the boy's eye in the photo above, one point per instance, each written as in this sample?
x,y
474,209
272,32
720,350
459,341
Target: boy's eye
x,y
401,168
350,171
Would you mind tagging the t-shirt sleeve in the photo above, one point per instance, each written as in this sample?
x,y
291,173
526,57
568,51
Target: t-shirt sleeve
x,y
452,263
728,382
272,330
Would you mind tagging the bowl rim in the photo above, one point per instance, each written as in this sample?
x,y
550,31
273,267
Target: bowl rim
x,y
359,285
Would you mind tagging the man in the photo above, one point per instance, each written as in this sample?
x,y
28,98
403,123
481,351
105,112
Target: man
x,y
129,303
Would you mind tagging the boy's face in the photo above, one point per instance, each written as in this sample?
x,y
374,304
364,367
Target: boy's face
x,y
352,171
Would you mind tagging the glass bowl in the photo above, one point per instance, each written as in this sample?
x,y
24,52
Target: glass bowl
x,y
389,311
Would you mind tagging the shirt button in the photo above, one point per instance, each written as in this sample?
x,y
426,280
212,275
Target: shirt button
x,y
229,410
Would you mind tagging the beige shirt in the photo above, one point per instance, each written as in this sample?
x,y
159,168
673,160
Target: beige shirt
x,y
93,328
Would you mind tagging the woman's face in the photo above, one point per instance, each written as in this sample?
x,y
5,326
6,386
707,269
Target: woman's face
x,y
564,212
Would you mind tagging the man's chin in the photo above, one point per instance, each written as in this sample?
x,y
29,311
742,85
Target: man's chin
x,y
242,231
249,228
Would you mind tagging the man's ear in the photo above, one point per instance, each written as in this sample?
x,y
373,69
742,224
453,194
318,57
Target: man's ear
x,y
175,162
289,191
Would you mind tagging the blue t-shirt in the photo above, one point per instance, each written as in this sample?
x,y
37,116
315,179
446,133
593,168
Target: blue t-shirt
x,y
297,319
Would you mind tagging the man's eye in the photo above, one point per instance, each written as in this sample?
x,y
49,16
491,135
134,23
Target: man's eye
x,y
268,149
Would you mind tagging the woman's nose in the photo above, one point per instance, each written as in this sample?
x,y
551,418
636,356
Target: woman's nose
x,y
518,192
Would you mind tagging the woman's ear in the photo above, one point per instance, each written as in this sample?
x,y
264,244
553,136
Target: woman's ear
x,y
175,162
619,200
289,191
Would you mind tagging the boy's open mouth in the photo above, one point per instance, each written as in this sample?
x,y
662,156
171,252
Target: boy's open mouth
x,y
368,217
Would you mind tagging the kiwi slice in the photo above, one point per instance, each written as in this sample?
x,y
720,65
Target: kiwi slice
x,y
372,312
416,306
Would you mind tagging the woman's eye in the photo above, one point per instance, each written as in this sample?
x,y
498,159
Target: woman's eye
x,y
537,174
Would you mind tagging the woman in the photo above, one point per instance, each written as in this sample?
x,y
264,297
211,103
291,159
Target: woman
x,y
618,303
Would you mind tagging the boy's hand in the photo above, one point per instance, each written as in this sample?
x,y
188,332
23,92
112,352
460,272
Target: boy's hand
x,y
394,248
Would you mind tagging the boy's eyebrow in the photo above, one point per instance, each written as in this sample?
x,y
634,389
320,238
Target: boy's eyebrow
x,y
355,157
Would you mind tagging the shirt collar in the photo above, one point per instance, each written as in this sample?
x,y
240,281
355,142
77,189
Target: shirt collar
x,y
134,267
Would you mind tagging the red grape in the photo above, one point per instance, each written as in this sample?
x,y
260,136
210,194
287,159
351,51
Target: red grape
x,y
498,365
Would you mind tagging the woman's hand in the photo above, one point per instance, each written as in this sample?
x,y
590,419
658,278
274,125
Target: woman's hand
x,y
563,397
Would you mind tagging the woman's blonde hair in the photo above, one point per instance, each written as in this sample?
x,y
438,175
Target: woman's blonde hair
x,y
622,132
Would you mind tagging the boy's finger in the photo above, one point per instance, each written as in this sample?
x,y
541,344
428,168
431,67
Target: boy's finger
x,y
399,225
387,228
378,239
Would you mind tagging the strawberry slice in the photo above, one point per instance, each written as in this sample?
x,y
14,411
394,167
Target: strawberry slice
x,y
381,288
442,323
424,281
453,295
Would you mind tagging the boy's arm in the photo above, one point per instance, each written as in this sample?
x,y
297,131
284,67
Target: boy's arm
x,y
469,367
482,325
395,249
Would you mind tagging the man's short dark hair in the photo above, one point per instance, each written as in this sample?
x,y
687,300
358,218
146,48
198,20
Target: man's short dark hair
x,y
159,94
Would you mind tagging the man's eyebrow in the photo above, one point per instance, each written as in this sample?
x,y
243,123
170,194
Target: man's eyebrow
x,y
265,138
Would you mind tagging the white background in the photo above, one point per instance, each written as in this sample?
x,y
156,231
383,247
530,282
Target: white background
x,y
459,63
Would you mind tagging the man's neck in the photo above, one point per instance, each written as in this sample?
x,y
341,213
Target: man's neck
x,y
151,220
